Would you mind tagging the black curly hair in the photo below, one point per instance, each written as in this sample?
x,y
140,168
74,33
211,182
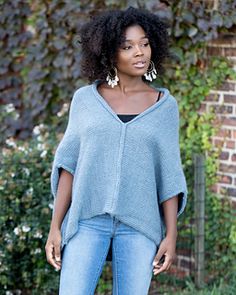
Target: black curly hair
x,y
101,37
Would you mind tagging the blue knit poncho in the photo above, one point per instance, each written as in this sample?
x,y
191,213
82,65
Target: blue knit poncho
x,y
124,169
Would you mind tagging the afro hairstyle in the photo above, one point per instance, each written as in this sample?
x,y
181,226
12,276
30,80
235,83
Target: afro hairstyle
x,y
103,34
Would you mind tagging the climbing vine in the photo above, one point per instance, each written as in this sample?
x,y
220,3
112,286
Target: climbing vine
x,y
39,73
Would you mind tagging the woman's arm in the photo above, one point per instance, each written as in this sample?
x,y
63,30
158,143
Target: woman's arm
x,y
63,200
170,208
168,245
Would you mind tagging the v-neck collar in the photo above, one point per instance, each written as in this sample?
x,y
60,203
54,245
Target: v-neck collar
x,y
146,111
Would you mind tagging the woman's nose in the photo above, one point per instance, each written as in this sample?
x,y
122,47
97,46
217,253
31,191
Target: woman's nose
x,y
138,51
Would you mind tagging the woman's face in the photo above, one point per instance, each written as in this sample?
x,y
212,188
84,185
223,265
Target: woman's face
x,y
133,56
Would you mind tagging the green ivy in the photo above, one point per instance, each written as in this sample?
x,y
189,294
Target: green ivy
x,y
42,54
191,86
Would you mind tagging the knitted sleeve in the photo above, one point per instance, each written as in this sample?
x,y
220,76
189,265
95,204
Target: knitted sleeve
x,y
67,151
171,179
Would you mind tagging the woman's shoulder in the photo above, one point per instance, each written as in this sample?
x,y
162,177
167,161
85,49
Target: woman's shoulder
x,y
171,102
165,93
81,93
83,89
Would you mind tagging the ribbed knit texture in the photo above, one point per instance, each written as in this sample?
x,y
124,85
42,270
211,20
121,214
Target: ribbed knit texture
x,y
124,169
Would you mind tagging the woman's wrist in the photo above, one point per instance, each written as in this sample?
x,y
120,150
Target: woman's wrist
x,y
55,225
170,208
172,235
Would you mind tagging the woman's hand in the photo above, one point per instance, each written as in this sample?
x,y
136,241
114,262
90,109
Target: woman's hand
x,y
52,248
167,250
62,204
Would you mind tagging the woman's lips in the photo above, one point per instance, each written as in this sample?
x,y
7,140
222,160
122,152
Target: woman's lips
x,y
139,64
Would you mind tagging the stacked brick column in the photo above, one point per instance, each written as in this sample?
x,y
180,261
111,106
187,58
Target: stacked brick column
x,y
223,101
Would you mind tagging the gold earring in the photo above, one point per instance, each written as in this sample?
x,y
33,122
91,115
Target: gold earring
x,y
112,78
151,72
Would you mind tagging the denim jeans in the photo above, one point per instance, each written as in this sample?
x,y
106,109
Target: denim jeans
x,y
85,254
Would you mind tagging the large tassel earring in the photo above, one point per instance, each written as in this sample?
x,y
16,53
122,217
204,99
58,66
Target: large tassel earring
x,y
151,72
112,78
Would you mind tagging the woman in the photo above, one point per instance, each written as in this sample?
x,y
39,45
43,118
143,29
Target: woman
x,y
117,174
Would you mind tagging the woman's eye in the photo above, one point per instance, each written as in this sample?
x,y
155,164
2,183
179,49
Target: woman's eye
x,y
127,47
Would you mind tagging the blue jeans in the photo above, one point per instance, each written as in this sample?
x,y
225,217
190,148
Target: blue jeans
x,y
85,254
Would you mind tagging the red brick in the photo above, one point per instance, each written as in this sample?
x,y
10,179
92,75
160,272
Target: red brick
x,y
229,121
222,109
224,156
218,142
202,108
233,158
214,188
183,252
227,86
217,121
224,38
230,144
231,192
225,133
215,51
212,97
227,168
177,272
173,269
222,51
225,179
228,191
230,51
229,98
187,264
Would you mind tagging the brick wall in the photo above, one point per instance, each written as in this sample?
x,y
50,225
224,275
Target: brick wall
x,y
223,101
